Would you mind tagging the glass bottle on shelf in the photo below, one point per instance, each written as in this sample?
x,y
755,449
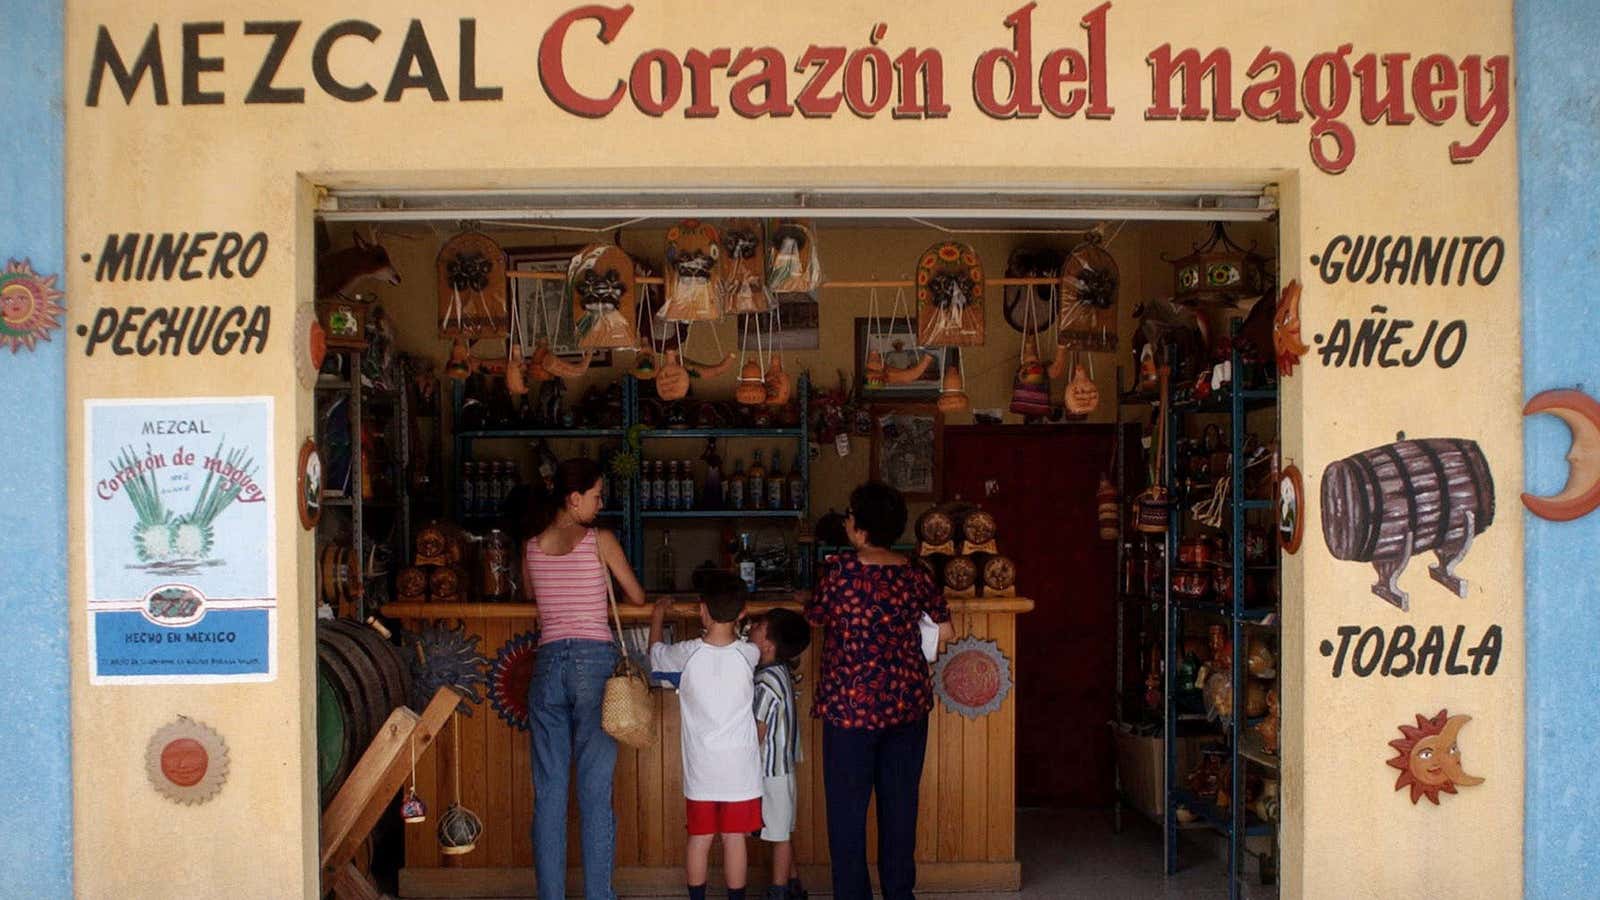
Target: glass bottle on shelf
x,y
674,485
744,560
756,482
686,486
666,565
711,488
658,486
776,482
736,483
797,487
545,463
468,488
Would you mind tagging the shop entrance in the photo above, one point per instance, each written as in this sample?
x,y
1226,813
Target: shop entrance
x,y
428,448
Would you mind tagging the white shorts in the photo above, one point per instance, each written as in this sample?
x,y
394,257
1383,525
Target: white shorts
x,y
777,807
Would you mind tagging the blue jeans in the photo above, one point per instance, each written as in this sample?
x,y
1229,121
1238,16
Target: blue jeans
x,y
564,710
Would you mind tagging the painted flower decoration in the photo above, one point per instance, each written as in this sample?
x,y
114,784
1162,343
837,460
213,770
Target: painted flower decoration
x,y
30,306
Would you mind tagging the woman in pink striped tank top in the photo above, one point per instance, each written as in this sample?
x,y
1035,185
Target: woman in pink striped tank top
x,y
565,567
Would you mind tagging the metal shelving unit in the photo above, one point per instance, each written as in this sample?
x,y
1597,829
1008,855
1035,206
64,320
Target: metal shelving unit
x,y
1235,823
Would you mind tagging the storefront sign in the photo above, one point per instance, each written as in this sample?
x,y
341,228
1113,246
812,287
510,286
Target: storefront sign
x,y
181,573
1022,80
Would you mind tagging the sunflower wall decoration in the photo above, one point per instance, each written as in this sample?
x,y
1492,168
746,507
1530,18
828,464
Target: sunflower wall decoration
x,y
949,296
30,306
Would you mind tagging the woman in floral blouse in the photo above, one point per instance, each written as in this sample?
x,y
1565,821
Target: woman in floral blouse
x,y
874,694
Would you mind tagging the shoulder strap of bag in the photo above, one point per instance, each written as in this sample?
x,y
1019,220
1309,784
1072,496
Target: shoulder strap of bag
x,y
624,661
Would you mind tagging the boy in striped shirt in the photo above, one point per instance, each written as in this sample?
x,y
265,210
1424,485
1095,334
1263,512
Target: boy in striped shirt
x,y
781,635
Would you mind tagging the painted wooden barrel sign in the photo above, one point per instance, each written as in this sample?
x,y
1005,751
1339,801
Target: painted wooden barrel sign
x,y
1385,505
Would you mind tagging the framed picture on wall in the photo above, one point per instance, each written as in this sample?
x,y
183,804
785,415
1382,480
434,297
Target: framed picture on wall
x,y
907,444
545,312
897,343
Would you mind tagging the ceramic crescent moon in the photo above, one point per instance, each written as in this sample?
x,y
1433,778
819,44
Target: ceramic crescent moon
x,y
1452,760
1582,494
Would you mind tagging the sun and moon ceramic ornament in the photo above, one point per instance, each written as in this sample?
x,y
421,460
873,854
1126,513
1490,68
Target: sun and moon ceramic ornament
x,y
1287,346
1581,495
186,761
442,656
1428,756
30,306
950,285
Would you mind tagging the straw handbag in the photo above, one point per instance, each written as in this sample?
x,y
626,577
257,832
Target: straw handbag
x,y
626,712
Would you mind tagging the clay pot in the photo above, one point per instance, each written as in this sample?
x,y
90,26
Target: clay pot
x,y
1196,551
644,364
952,392
516,382
459,366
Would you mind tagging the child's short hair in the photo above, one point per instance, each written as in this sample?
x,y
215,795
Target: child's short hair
x,y
723,595
789,633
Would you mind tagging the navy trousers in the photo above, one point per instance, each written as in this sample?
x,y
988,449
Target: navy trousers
x,y
855,763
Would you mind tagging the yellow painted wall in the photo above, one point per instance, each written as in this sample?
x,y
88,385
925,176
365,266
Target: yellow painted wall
x,y
141,167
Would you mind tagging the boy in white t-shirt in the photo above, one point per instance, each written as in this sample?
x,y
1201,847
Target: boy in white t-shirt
x,y
721,757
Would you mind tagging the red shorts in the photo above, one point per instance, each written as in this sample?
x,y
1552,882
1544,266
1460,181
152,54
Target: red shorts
x,y
723,816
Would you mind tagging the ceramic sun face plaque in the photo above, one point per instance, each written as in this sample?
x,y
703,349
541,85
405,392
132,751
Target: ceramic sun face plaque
x,y
600,290
740,275
949,296
1429,757
693,254
30,306
472,287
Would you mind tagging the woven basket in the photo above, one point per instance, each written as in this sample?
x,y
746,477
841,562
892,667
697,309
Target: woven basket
x,y
626,712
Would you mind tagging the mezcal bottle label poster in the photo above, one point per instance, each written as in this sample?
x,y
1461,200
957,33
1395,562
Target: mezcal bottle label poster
x,y
180,553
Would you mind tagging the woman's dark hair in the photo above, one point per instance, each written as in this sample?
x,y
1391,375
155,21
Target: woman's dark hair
x,y
880,511
573,476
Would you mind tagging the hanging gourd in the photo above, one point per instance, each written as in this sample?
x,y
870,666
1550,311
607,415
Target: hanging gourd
x,y
793,266
566,368
646,358
953,389
516,349
471,271
459,827
1087,312
537,370
692,263
459,365
1107,509
600,289
672,381
741,284
949,296
1082,397
752,391
780,387
1030,390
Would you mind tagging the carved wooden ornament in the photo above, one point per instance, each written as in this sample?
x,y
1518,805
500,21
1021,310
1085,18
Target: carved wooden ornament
x,y
1581,495
186,761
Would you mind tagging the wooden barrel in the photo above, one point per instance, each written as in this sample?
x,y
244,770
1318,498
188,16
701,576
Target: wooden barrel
x,y
999,576
935,527
977,527
360,681
1423,489
960,573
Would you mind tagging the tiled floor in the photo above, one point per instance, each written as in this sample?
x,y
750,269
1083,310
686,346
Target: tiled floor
x,y
1074,853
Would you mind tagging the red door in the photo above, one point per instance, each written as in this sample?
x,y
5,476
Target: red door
x,y
1042,497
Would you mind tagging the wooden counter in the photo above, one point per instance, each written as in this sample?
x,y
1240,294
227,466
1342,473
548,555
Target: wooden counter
x,y
966,824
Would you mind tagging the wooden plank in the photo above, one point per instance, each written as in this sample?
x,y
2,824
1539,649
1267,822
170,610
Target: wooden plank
x,y
1002,728
674,815
652,801
976,775
658,881
376,778
625,805
928,793
474,757
951,771
422,844
349,883
804,839
522,799
498,836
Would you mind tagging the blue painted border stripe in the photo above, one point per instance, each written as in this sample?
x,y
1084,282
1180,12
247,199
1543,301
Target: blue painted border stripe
x,y
36,834
1558,131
